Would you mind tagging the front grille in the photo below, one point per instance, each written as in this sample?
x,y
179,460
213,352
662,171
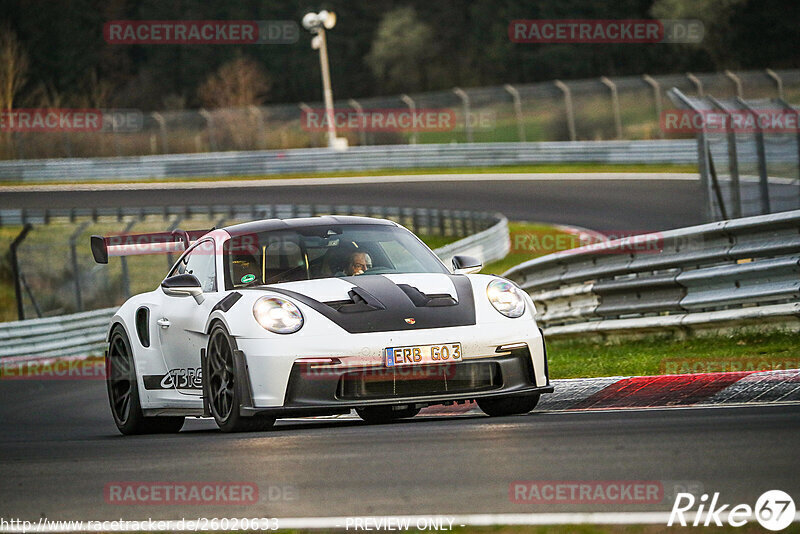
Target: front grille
x,y
410,381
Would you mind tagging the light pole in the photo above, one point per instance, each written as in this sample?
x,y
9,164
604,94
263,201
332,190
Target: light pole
x,y
317,23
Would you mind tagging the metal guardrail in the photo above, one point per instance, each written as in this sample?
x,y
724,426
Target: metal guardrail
x,y
266,162
717,274
83,334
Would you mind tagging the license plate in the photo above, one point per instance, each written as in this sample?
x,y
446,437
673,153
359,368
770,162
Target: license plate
x,y
421,354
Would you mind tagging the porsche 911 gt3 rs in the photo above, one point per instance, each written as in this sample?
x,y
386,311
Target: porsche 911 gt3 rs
x,y
315,316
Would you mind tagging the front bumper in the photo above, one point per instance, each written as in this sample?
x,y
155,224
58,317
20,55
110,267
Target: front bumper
x,y
284,386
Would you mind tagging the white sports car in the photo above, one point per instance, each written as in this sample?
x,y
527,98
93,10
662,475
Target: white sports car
x,y
315,316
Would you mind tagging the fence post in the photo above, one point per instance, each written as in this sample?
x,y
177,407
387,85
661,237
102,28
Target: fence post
x,y
778,82
786,106
763,178
733,158
126,282
467,123
570,111
362,135
697,83
408,101
517,110
255,110
736,81
657,99
172,228
702,156
212,141
15,271
162,126
614,104
73,256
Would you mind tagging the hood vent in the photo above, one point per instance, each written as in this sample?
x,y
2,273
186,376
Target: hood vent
x,y
421,300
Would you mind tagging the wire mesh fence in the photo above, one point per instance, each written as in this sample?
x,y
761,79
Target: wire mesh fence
x,y
749,153
57,275
592,109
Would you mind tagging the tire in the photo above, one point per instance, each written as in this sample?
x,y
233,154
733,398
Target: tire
x,y
498,407
123,392
223,386
377,415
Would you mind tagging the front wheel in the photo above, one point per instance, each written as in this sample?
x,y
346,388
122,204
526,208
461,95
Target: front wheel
x,y
498,407
123,392
223,386
385,414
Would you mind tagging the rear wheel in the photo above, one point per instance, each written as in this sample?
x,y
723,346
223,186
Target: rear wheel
x,y
385,414
223,386
123,392
508,405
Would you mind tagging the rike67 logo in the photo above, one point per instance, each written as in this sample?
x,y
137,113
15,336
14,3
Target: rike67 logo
x,y
774,510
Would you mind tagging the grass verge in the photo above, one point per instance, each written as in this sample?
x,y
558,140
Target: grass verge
x,y
656,355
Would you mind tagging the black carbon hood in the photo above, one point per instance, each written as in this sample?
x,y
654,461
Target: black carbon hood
x,y
380,305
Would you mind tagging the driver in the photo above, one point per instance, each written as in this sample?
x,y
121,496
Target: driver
x,y
357,263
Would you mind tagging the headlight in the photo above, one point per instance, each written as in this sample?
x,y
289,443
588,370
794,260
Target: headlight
x,y
277,315
506,298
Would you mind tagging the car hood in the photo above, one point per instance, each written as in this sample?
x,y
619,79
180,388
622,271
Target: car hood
x,y
379,303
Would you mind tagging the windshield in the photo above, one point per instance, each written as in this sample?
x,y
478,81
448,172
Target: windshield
x,y
313,252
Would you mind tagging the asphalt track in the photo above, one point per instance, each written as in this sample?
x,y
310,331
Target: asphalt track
x,y
626,203
59,448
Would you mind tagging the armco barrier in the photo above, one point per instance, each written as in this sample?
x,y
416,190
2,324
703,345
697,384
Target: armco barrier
x,y
728,273
309,160
83,334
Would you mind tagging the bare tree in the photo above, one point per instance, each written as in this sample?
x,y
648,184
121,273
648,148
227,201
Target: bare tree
x,y
238,83
13,67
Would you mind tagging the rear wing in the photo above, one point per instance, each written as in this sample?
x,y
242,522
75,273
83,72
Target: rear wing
x,y
139,244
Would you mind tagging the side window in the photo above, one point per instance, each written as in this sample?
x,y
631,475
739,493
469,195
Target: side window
x,y
201,263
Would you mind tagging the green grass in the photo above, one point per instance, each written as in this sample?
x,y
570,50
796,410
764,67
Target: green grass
x,y
577,358
537,168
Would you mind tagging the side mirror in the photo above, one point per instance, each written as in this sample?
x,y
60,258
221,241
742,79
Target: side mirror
x,y
183,285
466,265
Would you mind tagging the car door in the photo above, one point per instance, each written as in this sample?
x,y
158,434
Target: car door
x,y
181,320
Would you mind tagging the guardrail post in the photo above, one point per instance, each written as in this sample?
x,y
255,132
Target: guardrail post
x,y
697,83
517,111
763,178
73,255
162,126
15,271
778,82
614,104
657,99
570,111
736,82
733,158
467,123
362,134
408,101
